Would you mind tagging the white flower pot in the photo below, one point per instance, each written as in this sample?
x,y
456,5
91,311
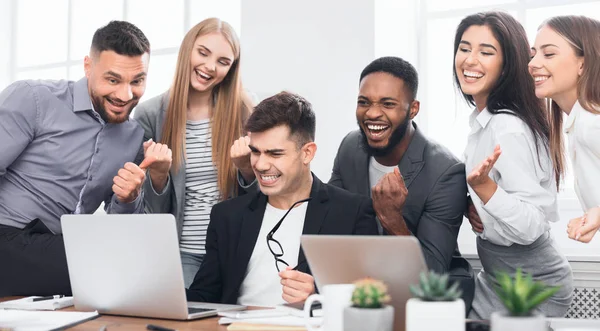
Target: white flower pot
x,y
372,319
435,315
503,322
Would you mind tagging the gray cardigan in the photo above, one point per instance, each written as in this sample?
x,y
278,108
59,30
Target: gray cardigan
x,y
151,115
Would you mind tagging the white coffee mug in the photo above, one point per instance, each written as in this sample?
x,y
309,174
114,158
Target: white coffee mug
x,y
334,298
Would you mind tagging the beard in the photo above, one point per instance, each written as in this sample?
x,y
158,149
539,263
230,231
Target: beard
x,y
98,103
393,141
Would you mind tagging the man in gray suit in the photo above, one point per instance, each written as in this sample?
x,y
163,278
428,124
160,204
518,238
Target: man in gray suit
x,y
406,174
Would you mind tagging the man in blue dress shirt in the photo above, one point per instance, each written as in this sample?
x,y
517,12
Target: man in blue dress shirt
x,y
66,147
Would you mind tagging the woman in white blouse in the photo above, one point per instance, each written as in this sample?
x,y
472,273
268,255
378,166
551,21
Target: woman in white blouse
x,y
566,67
511,176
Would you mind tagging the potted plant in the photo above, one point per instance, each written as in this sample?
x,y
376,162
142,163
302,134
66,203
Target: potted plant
x,y
435,306
369,310
520,296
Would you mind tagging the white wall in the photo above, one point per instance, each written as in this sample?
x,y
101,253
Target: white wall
x,y
314,48
5,47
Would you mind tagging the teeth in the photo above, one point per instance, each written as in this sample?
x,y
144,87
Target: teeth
x,y
269,177
472,74
541,78
377,127
203,75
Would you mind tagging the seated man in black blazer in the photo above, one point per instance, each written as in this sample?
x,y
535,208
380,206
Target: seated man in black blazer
x,y
418,187
253,254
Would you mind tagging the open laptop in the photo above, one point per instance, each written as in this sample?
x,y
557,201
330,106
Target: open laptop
x,y
395,260
129,265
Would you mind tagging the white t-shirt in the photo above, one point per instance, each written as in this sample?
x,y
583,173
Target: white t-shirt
x,y
262,284
377,171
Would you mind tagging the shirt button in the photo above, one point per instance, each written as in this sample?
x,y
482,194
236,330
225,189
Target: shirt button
x,y
91,177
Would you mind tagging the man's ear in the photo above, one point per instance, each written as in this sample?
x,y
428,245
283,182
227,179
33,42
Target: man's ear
x,y
308,152
87,65
415,105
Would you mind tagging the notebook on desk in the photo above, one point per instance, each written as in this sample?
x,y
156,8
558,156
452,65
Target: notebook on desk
x,y
29,304
129,265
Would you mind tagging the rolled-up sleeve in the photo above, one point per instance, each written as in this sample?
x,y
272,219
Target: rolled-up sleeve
x,y
18,121
520,204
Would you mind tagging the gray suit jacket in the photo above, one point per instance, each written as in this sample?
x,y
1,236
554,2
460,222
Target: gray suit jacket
x,y
151,115
437,197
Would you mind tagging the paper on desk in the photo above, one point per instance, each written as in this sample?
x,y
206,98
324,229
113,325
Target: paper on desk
x,y
28,304
237,326
25,320
278,320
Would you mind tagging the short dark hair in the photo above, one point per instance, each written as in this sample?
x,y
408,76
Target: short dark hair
x,y
396,67
285,108
121,37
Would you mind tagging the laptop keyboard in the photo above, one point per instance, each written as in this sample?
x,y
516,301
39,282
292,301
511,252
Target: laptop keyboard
x,y
198,310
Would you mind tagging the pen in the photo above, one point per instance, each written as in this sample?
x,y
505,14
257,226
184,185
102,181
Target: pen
x,y
158,328
50,297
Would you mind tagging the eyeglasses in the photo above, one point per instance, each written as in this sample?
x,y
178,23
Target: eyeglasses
x,y
274,245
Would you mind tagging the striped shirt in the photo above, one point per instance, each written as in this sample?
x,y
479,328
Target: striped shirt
x,y
201,191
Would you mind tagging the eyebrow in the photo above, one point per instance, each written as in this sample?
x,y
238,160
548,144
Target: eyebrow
x,y
116,75
208,50
482,44
268,151
380,100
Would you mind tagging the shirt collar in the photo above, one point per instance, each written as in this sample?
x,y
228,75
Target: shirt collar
x,y
570,122
81,96
482,117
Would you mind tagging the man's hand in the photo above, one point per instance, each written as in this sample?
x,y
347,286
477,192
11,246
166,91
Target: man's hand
x,y
128,182
240,156
297,286
389,197
584,228
473,217
158,158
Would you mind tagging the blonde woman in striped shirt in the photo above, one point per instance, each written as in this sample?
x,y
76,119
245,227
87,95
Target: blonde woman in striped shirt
x,y
201,119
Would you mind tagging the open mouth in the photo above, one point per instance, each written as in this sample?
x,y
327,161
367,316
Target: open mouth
x,y
472,76
377,131
118,106
540,79
269,179
203,76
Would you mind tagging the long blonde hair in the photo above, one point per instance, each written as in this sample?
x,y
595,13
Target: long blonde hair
x,y
230,106
583,34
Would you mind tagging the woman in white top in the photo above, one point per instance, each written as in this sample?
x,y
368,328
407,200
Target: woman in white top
x,y
513,190
200,118
566,67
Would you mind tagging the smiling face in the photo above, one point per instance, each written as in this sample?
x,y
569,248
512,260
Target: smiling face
x,y
383,111
280,165
115,83
478,63
211,59
554,66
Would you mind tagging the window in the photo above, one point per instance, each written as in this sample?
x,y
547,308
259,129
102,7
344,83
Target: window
x,y
56,51
444,114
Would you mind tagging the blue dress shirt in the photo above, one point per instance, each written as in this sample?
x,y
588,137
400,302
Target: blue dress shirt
x,y
57,155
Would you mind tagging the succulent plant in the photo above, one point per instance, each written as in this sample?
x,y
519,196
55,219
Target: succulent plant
x,y
521,294
434,287
369,293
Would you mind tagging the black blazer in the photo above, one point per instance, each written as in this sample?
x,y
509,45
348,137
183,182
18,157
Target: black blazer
x,y
235,225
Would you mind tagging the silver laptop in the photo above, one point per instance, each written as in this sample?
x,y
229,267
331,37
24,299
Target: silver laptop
x,y
395,260
129,265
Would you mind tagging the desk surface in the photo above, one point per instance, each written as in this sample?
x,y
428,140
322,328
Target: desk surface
x,y
130,323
